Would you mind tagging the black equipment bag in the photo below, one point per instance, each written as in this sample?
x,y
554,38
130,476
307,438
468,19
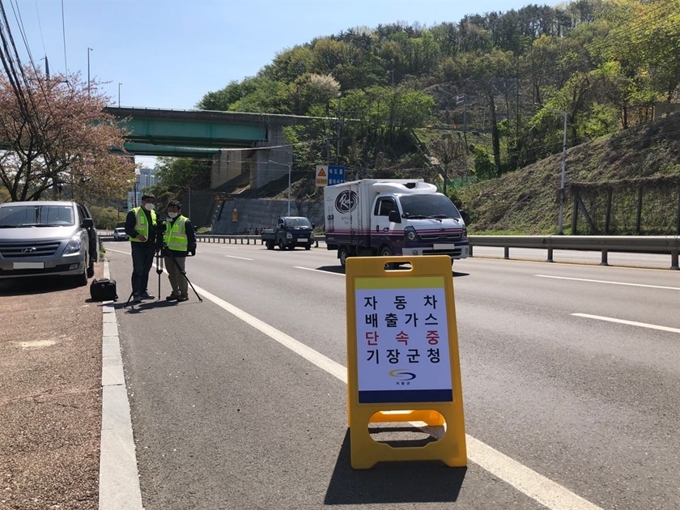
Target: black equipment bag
x,y
103,290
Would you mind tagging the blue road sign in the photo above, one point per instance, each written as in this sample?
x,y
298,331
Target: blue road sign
x,y
336,175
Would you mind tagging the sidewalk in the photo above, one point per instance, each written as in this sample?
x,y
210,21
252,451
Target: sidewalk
x,y
50,395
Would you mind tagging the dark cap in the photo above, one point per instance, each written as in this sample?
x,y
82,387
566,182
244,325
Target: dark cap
x,y
175,203
148,196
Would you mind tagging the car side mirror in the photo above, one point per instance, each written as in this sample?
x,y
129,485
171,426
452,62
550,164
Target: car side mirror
x,y
313,225
88,223
394,217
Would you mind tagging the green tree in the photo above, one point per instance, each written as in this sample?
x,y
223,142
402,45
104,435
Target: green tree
x,y
177,175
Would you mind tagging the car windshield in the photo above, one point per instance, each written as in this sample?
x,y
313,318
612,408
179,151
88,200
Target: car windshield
x,y
36,215
428,206
298,222
120,230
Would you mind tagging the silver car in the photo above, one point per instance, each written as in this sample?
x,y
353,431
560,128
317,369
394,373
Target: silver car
x,y
47,238
119,234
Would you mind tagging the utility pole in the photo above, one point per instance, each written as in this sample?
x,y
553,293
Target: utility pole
x,y
119,84
88,70
564,165
47,67
339,132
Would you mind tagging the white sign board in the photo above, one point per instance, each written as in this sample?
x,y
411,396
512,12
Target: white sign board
x,y
402,345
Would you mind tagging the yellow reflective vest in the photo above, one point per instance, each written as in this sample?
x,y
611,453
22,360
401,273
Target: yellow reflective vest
x,y
175,236
142,225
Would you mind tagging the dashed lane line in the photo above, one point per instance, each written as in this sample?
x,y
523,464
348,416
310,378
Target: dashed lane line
x,y
607,282
627,323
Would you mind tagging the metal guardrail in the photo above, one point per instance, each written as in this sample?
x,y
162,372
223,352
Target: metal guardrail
x,y
664,245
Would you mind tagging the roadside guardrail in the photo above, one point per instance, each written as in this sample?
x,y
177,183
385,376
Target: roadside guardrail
x,y
664,245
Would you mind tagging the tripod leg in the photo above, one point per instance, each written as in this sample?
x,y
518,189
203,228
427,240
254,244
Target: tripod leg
x,y
184,274
159,271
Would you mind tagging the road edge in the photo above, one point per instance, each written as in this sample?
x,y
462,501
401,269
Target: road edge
x,y
118,476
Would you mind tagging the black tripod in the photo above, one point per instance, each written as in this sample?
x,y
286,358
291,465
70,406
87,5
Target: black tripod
x,y
159,268
158,256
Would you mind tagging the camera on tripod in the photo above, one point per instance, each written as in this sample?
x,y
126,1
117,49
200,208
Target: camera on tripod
x,y
161,227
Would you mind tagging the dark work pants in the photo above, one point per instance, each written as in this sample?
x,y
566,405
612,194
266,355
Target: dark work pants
x,y
142,260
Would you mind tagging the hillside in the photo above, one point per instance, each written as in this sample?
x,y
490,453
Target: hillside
x,y
526,201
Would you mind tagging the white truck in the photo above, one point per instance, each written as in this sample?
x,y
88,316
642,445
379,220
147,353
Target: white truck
x,y
389,217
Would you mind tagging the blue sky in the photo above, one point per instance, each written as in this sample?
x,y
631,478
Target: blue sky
x,y
169,53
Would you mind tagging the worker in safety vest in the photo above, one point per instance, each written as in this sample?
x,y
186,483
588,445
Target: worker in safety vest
x,y
140,226
179,240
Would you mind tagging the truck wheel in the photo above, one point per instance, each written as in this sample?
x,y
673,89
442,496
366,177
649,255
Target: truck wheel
x,y
343,253
270,245
308,246
281,245
386,251
291,246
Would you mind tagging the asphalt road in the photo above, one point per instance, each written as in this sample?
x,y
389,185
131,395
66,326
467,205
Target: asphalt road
x,y
562,410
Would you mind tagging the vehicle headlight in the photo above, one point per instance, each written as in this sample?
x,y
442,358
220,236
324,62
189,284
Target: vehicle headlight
x,y
73,245
464,232
289,235
410,233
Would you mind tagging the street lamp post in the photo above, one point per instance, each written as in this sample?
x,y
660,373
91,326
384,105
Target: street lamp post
x,y
290,167
560,230
88,70
119,84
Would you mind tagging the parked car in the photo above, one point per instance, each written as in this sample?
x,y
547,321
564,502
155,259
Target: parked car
x,y
119,234
47,238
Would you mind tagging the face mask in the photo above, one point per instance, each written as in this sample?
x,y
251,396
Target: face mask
x,y
149,206
172,215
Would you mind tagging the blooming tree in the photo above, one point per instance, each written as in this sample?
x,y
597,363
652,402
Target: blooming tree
x,y
55,135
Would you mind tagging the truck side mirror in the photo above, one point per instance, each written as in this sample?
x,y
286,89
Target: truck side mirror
x,y
313,225
394,217
88,223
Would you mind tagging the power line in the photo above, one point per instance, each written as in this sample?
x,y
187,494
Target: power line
x,y
40,27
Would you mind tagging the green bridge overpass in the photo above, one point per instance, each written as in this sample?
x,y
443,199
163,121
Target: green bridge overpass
x,y
211,134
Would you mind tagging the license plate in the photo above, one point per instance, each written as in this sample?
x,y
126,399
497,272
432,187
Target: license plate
x,y
442,246
303,239
29,265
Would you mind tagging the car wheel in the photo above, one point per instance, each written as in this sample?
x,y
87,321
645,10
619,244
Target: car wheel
x,y
291,246
90,268
80,280
281,245
308,246
270,245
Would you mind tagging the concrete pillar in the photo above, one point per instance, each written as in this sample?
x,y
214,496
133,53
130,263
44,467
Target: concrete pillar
x,y
262,171
225,166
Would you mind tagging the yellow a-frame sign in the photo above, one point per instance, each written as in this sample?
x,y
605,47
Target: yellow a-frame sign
x,y
402,357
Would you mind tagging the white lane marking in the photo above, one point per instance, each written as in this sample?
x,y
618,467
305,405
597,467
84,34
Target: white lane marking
x,y
319,270
607,282
628,323
235,257
529,482
118,251
296,346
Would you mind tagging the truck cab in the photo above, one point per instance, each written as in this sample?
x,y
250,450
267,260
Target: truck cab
x,y
290,231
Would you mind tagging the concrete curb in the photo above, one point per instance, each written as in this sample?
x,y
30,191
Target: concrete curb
x,y
118,477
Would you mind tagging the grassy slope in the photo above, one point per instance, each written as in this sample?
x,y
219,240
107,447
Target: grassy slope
x,y
526,201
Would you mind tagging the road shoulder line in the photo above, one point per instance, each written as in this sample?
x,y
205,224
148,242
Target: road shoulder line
x,y
118,477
